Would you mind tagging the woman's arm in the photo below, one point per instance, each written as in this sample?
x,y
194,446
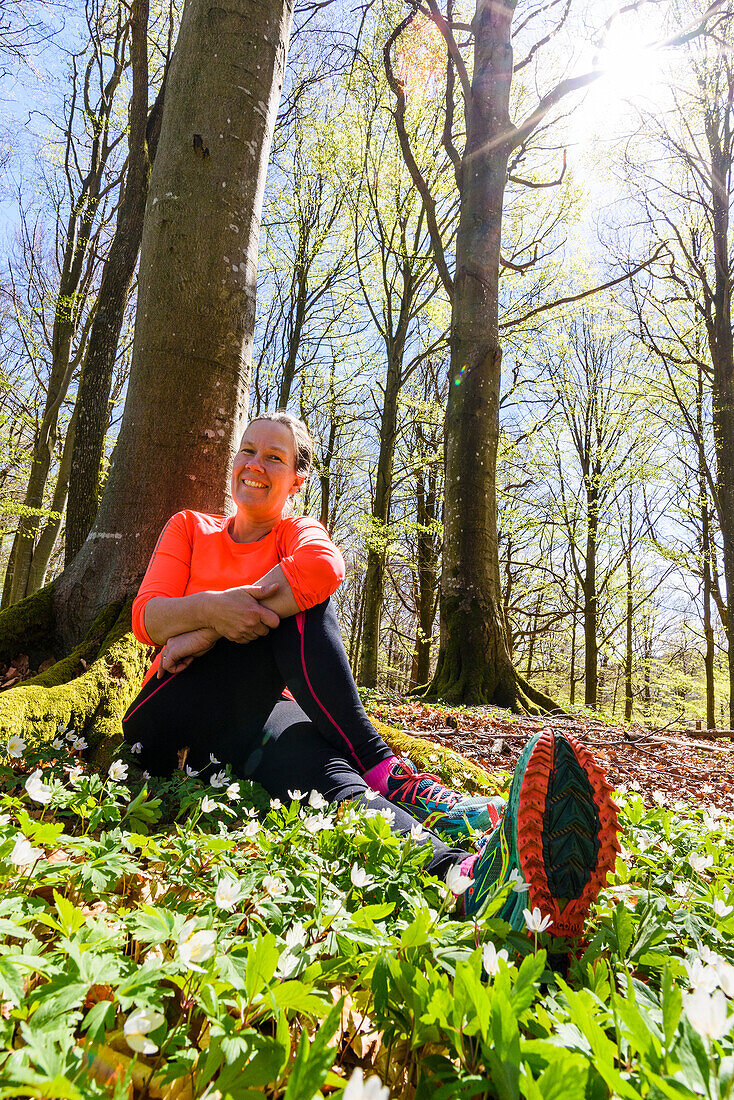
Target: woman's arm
x,y
236,613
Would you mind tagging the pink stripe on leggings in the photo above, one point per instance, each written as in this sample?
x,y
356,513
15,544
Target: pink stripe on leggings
x,y
300,622
147,697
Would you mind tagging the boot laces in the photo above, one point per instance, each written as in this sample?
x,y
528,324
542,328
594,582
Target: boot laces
x,y
434,790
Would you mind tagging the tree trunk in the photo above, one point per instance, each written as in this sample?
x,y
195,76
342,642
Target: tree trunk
x,y
68,306
474,665
628,697
722,355
325,469
294,343
96,380
427,579
591,651
189,379
572,689
374,583
703,493
49,535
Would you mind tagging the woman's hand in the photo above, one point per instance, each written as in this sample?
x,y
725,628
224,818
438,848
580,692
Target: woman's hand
x,y
238,615
180,650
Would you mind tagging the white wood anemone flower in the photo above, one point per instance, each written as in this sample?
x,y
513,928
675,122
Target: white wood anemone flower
x,y
195,947
491,958
24,854
707,1013
359,1089
359,877
535,921
138,1026
456,882
37,789
228,892
15,747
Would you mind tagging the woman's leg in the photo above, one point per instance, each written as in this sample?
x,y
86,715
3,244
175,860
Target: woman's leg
x,y
293,754
310,654
309,651
219,705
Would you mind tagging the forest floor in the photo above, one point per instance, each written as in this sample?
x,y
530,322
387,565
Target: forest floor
x,y
662,764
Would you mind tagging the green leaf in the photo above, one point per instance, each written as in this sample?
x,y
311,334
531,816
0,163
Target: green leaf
x,y
418,931
368,914
672,1004
262,958
624,929
151,925
295,995
70,917
314,1059
503,1055
525,986
99,1018
12,987
565,1079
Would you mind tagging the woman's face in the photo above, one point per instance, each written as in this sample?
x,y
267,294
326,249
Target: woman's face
x,y
264,471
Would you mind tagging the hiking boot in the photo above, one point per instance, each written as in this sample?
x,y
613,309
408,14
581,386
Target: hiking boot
x,y
423,795
559,833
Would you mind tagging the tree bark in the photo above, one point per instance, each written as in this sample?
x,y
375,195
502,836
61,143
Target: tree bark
x,y
47,539
722,356
427,574
189,379
96,381
473,663
628,695
591,651
374,583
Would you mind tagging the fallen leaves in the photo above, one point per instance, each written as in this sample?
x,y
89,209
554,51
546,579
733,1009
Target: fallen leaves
x,y
669,762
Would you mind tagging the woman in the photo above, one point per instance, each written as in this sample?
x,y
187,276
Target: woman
x,y
252,672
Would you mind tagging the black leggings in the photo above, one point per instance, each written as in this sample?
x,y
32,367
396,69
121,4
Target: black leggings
x,y
229,703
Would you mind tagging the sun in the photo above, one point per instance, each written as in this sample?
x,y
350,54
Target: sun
x,y
631,68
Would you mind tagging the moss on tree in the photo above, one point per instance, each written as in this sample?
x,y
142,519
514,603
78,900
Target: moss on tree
x,y
89,690
28,626
455,770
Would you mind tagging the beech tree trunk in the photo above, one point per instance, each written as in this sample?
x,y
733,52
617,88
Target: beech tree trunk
x,y
722,355
426,583
629,612
591,604
189,379
374,583
474,665
47,539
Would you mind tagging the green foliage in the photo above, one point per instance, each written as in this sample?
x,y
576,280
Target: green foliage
x,y
195,940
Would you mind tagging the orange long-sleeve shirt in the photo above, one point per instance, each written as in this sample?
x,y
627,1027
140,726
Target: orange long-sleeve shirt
x,y
196,553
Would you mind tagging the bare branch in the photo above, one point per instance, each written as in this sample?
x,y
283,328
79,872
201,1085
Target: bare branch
x,y
532,183
515,321
429,202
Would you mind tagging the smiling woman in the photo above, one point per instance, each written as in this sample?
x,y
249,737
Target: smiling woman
x,y
252,672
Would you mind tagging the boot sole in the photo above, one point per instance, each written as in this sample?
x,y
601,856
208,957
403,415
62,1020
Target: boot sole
x,y
562,842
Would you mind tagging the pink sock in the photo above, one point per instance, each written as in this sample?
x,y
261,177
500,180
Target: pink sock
x,y
376,777
467,865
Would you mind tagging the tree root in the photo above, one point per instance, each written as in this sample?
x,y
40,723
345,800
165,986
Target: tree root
x,y
89,690
28,626
506,688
